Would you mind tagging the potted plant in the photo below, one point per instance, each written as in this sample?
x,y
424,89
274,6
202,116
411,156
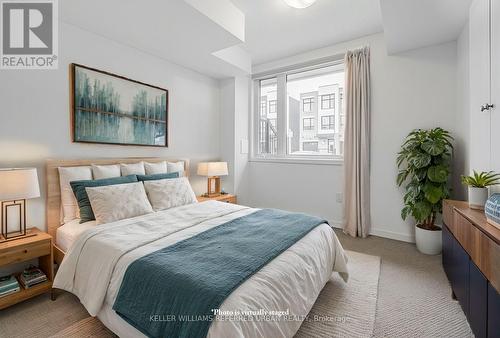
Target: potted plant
x,y
478,185
424,170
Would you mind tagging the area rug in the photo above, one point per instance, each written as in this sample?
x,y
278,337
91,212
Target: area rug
x,y
341,310
346,309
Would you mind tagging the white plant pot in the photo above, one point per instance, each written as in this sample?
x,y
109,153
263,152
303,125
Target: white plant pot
x,y
477,197
428,241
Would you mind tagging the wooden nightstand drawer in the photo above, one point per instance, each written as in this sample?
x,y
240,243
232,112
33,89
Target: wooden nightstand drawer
x,y
25,252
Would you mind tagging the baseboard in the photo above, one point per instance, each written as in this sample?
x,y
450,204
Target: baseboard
x,y
380,233
336,224
392,235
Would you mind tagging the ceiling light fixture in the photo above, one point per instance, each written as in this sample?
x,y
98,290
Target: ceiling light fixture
x,y
299,3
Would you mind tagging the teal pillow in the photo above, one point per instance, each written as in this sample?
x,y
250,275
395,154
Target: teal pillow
x,y
155,177
86,213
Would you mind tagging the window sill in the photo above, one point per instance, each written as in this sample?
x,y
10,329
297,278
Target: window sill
x,y
297,160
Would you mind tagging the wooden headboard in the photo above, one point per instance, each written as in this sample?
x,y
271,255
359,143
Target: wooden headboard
x,y
53,206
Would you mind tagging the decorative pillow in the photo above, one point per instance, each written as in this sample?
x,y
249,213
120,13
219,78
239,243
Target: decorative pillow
x,y
156,177
176,167
115,202
86,213
68,200
132,169
106,171
169,193
155,168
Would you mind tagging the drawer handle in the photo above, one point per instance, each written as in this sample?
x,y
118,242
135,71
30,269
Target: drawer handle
x,y
25,250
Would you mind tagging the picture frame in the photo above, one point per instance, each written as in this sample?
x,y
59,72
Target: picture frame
x,y
107,108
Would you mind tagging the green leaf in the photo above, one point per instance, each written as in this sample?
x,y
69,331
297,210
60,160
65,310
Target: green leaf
x,y
402,175
405,212
420,160
421,174
421,211
433,148
438,174
433,193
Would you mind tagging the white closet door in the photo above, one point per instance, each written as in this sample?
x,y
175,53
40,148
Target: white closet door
x,y
495,85
480,85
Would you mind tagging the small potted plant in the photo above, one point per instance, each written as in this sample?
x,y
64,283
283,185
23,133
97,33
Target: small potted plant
x,y
478,184
424,170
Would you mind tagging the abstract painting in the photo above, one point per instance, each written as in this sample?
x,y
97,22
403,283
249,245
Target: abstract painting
x,y
112,109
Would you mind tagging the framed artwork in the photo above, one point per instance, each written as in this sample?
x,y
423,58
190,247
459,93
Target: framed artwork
x,y
107,108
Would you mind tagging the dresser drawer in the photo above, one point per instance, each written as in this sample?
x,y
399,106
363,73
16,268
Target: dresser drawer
x,y
24,252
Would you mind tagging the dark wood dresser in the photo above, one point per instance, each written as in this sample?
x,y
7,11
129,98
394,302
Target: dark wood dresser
x,y
471,260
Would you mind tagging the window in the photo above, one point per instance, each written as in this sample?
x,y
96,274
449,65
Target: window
x,y
268,136
341,109
310,146
331,146
307,104
328,122
272,107
293,129
263,107
328,101
308,123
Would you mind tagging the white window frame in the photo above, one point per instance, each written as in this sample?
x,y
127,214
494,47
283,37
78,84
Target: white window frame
x,y
282,155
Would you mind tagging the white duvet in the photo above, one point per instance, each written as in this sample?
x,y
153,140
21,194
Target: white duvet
x,y
94,267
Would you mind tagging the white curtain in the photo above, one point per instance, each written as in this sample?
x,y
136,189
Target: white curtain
x,y
357,143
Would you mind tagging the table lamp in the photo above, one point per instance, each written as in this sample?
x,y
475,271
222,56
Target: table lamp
x,y
213,171
16,186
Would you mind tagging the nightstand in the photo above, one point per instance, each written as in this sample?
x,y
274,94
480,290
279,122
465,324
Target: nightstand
x,y
37,245
228,198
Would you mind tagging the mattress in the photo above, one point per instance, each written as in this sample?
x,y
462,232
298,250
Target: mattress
x,y
68,233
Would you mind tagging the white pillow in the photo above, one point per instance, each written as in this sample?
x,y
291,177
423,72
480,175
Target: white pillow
x,y
115,202
68,200
174,167
132,169
155,168
169,193
106,171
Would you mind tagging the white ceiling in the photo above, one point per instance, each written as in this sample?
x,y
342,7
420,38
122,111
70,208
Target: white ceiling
x,y
411,24
186,32
223,38
274,30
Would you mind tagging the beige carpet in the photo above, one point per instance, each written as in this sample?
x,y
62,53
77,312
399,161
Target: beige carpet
x,y
414,298
342,310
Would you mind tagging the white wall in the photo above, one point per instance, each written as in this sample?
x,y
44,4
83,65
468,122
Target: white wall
x,y
462,157
416,89
35,111
234,129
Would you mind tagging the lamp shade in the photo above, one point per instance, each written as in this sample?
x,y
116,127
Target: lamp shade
x,y
18,184
212,169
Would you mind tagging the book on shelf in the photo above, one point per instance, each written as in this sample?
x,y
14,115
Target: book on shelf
x,y
8,285
31,277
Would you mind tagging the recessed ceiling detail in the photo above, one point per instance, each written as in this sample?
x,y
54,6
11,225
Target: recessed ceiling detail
x,y
186,32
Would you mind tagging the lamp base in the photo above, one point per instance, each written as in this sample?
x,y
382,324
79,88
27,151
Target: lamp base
x,y
216,191
19,208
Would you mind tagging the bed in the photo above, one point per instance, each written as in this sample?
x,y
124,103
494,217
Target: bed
x,y
96,259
